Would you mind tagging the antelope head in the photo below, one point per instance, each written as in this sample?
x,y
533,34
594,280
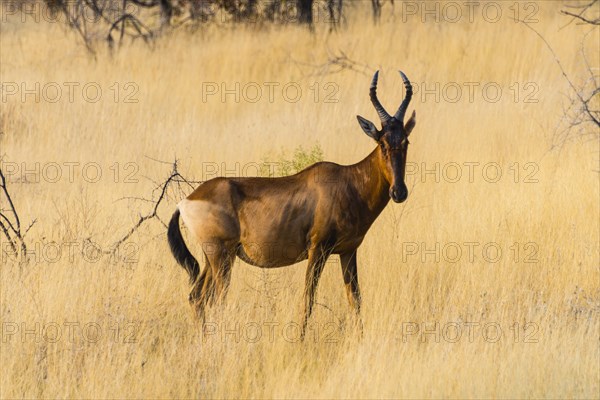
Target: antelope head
x,y
392,138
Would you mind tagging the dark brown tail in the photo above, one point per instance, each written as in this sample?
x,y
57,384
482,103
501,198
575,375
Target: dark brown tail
x,y
179,249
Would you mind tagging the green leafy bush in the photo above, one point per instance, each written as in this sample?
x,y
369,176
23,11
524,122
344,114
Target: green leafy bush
x,y
282,164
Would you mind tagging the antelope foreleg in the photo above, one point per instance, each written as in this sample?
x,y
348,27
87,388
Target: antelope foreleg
x,y
350,273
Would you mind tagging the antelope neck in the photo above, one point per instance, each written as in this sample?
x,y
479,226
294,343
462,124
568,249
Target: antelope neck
x,y
369,178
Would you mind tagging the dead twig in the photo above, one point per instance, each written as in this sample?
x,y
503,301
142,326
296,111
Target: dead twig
x,y
583,9
580,110
174,177
336,62
10,223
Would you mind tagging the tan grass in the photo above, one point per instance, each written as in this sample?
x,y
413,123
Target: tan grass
x,y
547,311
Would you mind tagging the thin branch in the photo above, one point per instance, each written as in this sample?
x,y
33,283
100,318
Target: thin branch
x,y
11,241
9,199
174,177
583,8
12,229
589,114
335,64
581,17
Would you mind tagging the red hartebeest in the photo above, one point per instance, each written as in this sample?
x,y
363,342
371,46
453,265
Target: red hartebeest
x,y
274,222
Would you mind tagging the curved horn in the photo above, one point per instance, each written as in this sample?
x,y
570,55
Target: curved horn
x,y
383,115
399,116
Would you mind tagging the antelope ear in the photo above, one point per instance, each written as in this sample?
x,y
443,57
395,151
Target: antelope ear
x,y
368,127
410,124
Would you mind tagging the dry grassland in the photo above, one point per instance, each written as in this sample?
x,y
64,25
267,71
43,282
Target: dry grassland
x,y
484,284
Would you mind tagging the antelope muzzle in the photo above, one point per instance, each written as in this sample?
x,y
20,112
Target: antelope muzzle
x,y
399,193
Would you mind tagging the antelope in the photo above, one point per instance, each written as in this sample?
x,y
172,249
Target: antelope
x,y
274,222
